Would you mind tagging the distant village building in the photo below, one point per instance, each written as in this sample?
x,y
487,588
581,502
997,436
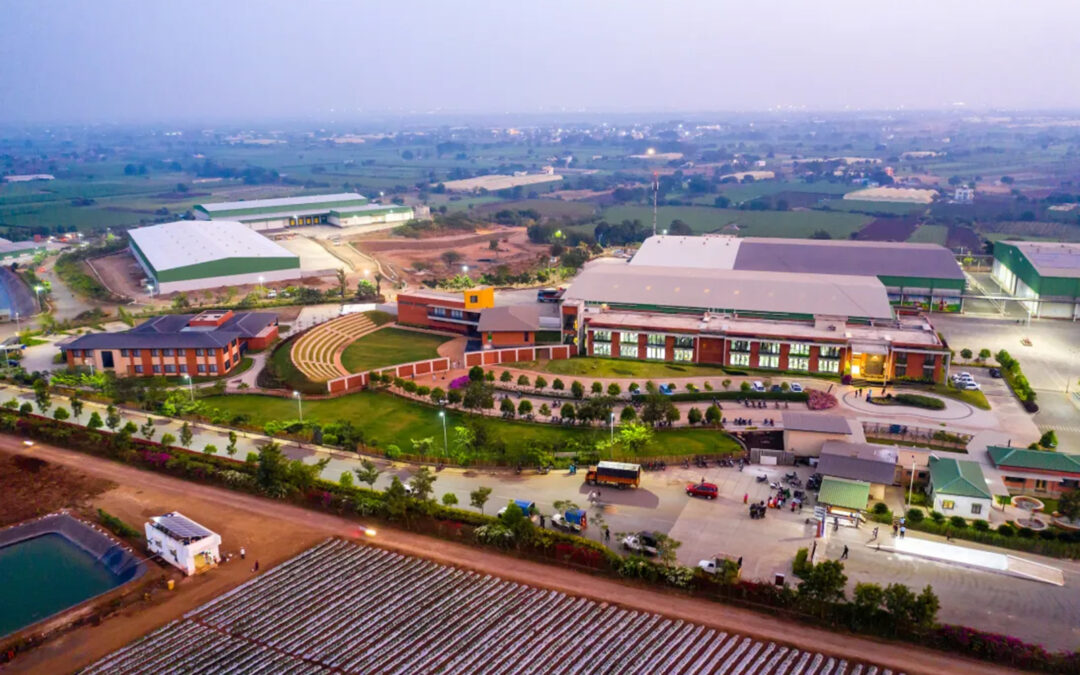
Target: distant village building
x,y
27,177
964,195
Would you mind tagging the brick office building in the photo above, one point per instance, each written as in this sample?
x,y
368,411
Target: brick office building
x,y
210,343
1036,472
787,322
471,313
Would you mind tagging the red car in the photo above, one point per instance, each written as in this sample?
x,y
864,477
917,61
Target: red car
x,y
706,490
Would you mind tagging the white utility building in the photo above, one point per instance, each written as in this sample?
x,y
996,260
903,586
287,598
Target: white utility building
x,y
183,543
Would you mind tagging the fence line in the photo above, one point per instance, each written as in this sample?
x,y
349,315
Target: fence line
x,y
494,357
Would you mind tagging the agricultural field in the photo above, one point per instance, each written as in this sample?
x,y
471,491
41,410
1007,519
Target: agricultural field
x,y
390,346
703,219
342,607
744,192
996,231
588,366
390,420
862,206
888,229
930,234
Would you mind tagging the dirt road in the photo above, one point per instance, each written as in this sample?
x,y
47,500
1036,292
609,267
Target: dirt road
x,y
248,514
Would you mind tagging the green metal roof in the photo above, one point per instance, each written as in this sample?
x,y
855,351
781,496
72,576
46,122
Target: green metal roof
x,y
960,479
370,210
1037,460
847,494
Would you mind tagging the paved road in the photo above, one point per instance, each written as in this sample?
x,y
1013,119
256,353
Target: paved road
x,y
901,657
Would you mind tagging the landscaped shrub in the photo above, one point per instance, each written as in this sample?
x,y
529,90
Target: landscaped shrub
x,y
913,400
1006,530
881,508
915,515
958,522
937,517
801,567
981,525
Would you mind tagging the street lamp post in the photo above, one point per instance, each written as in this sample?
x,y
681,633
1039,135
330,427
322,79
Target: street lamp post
x,y
38,289
299,406
612,425
446,449
190,386
262,290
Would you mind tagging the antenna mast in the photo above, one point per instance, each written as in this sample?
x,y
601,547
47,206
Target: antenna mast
x,y
656,190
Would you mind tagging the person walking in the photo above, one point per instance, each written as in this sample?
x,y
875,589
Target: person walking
x,y
895,529
541,521
875,534
607,533
243,553
902,530
843,556
745,497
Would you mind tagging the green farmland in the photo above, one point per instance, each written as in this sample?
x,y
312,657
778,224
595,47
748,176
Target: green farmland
x,y
704,219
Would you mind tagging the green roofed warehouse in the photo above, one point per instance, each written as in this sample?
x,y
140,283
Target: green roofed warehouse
x,y
191,254
1045,276
343,209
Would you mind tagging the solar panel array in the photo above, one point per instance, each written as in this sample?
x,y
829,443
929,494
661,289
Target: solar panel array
x,y
345,608
181,527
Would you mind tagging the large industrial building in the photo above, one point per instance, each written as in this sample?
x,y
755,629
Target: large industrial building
x,y
925,276
193,254
779,321
344,209
1045,276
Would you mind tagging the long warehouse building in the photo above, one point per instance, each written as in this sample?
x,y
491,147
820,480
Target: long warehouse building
x,y
924,276
343,209
190,255
1044,276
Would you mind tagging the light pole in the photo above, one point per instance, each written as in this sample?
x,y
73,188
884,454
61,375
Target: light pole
x,y
611,423
442,416
299,406
18,324
262,290
465,270
38,289
190,386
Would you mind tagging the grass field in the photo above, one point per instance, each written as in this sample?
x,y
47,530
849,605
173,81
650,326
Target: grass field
x,y
930,234
549,208
741,192
389,346
972,397
703,219
387,419
897,208
588,366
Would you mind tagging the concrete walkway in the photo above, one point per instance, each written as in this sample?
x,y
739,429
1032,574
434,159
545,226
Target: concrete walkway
x,y
1001,563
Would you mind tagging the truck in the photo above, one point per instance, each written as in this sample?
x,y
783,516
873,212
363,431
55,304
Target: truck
x,y
614,474
549,294
574,520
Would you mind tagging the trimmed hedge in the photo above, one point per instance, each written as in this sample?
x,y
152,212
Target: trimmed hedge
x,y
913,400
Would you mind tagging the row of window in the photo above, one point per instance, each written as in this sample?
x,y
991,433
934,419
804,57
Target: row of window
x,y
654,339
949,505
794,362
453,313
153,352
794,348
171,369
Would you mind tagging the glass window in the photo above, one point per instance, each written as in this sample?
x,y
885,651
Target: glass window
x,y
181,352
200,351
167,352
684,342
799,349
157,368
768,361
601,348
739,359
1040,484
123,352
654,339
928,369
183,368
627,337
456,314
439,311
740,346
769,348
226,364
136,352
798,363
684,354
202,367
828,366
601,336
900,358
830,352
948,504
213,367
138,369
628,350
170,368
76,352
155,352
655,352
976,509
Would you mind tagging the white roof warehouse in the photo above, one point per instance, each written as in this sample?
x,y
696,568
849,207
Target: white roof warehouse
x,y
195,254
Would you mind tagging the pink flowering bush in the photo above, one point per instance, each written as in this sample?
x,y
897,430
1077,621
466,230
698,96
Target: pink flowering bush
x,y
820,400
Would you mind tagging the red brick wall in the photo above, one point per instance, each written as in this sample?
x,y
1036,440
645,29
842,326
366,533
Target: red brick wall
x,y
710,350
511,338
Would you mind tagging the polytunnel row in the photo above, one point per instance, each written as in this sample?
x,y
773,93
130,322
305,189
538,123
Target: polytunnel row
x,y
346,608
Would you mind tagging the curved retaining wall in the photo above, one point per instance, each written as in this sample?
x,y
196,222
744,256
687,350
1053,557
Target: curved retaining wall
x,y
119,559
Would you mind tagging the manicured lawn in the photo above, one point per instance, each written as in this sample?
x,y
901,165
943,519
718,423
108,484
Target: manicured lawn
x,y
588,366
975,398
390,346
387,419
930,234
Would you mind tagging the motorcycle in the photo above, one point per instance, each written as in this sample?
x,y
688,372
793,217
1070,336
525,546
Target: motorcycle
x,y
761,479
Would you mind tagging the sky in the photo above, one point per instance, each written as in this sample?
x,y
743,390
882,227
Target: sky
x,y
139,61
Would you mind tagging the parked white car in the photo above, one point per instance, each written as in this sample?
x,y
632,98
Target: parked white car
x,y
796,387
758,385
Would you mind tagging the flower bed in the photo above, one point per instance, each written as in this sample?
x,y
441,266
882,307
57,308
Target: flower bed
x,y
819,400
912,400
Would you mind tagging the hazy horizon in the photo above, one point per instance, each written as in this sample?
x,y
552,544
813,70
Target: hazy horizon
x,y
135,62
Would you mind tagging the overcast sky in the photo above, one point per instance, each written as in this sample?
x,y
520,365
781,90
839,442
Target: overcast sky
x,y
279,59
